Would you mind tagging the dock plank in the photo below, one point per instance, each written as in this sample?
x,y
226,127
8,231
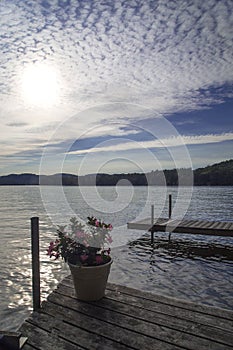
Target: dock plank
x,y
43,340
202,314
228,226
71,330
117,329
163,318
28,347
125,319
211,228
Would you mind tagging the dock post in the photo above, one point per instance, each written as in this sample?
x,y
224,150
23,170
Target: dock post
x,y
152,214
35,263
152,237
152,222
170,207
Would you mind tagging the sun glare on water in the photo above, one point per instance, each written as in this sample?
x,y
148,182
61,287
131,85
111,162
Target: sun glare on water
x,y
40,85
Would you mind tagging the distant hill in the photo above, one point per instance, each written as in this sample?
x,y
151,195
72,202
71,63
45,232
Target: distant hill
x,y
19,179
220,174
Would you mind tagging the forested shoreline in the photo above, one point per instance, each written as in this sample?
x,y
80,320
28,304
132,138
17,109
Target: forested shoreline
x,y
220,174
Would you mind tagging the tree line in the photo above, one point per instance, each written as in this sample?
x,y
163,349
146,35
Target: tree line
x,y
220,174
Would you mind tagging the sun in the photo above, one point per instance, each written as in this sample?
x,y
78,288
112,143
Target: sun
x,y
40,85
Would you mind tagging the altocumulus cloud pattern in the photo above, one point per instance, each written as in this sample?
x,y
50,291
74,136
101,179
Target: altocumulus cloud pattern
x,y
170,56
148,48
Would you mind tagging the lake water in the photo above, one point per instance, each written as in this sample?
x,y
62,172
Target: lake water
x,y
194,268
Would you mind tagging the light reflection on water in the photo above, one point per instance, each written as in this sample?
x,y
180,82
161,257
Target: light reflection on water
x,y
179,271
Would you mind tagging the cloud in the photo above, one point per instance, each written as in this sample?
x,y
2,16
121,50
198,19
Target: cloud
x,y
159,53
165,56
17,124
127,145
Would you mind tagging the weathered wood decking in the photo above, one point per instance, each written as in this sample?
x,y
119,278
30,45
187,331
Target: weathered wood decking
x,y
202,227
126,319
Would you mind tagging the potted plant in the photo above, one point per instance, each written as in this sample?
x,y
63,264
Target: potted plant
x,y
83,247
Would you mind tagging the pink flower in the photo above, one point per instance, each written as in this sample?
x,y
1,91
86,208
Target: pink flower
x,y
77,245
109,239
99,259
84,257
85,243
79,234
51,248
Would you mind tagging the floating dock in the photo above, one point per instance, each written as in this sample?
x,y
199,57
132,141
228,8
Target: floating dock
x,y
201,227
125,319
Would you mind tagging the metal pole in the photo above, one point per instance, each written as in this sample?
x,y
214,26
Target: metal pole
x,y
170,206
35,262
152,214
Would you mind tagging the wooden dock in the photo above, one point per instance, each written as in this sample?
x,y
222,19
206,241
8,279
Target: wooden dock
x,y
201,227
125,319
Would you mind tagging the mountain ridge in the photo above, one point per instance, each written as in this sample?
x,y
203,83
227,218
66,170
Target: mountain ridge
x,y
218,174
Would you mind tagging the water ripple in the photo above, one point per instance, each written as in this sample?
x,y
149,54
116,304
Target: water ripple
x,y
198,269
191,270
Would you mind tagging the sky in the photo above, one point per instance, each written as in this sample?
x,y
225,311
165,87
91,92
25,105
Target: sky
x,y
115,86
